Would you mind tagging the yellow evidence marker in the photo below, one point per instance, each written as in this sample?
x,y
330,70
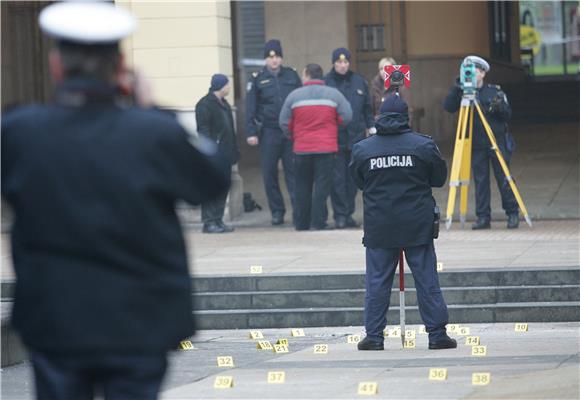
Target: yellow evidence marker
x,y
223,382
186,345
463,331
439,266
225,361
256,335
276,376
320,349
422,330
410,334
297,333
480,378
437,374
280,348
519,327
256,269
353,339
453,328
264,345
368,388
479,351
409,344
472,341
282,341
395,333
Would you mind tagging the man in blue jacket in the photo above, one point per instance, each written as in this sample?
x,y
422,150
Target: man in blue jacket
x,y
396,169
103,289
354,87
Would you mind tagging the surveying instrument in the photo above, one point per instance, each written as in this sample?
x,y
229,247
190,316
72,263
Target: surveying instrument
x,y
461,166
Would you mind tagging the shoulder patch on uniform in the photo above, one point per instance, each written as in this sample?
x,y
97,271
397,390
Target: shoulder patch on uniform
x,y
498,87
254,74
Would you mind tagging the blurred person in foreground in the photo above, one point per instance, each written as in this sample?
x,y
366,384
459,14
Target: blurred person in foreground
x,y
396,169
103,290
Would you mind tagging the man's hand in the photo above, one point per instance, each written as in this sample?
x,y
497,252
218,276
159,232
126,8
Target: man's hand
x,y
253,140
497,104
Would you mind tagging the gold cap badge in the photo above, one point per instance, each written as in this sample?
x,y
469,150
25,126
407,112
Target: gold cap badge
x,y
272,53
342,57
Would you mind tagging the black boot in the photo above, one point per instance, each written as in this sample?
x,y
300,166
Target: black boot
x,y
481,223
212,227
445,343
340,222
351,223
368,344
225,227
277,218
513,221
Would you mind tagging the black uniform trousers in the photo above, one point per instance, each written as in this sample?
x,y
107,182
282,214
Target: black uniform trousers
x,y
313,184
480,160
83,377
213,211
344,189
381,265
273,147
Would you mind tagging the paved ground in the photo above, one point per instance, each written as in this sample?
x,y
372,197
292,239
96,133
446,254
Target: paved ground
x,y
542,363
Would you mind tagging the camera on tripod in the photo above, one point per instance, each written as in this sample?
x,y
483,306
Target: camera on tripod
x,y
468,78
397,76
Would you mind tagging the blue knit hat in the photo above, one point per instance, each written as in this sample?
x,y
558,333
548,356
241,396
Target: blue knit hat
x,y
218,81
340,53
272,48
394,104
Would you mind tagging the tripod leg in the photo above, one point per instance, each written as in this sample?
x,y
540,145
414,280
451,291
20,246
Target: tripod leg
x,y
466,168
456,164
503,164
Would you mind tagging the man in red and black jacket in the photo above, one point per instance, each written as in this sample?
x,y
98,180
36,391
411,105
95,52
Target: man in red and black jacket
x,y
310,116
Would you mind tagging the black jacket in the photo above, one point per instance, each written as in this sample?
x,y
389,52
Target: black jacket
x,y
214,120
355,88
396,169
265,97
98,250
496,117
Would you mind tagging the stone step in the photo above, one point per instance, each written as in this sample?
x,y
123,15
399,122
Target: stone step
x,y
353,316
355,297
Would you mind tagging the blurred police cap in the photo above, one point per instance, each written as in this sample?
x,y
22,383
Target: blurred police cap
x,y
479,62
86,22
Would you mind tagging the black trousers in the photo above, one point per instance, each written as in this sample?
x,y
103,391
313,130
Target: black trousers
x,y
480,160
82,377
273,147
213,211
344,189
313,184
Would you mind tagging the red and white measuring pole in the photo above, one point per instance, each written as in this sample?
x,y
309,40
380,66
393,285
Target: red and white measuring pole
x,y
402,295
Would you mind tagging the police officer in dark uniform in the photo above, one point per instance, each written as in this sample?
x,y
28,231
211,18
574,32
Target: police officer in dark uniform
x,y
396,169
495,106
354,87
103,289
267,91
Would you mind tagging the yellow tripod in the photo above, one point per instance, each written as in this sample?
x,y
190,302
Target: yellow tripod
x,y
461,166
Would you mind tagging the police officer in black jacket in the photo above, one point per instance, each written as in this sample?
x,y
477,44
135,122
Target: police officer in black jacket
x,y
497,111
267,91
213,115
103,289
396,169
354,87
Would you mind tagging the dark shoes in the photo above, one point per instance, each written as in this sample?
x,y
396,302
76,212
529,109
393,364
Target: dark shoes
x,y
481,223
368,344
345,222
444,343
513,221
277,218
325,227
216,227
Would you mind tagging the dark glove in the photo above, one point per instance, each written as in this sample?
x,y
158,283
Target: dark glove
x,y
497,104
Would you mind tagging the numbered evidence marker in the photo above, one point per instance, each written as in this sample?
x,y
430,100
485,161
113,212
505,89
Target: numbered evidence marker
x,y
297,333
223,382
256,335
422,330
521,327
225,361
472,341
264,345
453,328
437,374
439,266
282,341
395,333
409,344
320,349
186,345
463,330
353,338
368,388
479,351
256,269
480,378
276,376
280,348
410,334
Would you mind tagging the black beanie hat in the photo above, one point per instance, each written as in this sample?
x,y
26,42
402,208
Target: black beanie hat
x,y
394,104
272,48
340,53
218,81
